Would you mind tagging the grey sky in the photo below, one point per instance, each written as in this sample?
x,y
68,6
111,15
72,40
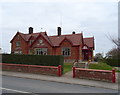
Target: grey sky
x,y
96,19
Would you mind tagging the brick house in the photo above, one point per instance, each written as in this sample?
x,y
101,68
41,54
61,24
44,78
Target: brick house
x,y
72,46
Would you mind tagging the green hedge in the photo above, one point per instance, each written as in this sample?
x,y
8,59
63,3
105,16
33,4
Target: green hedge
x,y
113,62
44,60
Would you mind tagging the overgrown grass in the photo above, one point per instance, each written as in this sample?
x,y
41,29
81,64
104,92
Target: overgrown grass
x,y
100,66
67,67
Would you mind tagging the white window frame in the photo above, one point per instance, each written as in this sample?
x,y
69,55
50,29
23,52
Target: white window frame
x,y
66,51
41,51
17,52
40,41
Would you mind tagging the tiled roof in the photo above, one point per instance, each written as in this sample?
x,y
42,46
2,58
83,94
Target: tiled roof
x,y
89,41
27,36
75,39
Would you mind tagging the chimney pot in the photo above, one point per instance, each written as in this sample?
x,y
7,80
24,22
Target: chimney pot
x,y
73,32
59,31
30,30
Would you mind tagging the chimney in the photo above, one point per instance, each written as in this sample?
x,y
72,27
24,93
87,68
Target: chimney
x,y
73,32
59,31
30,30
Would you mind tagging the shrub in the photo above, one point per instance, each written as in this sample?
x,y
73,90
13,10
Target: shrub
x,y
113,62
44,60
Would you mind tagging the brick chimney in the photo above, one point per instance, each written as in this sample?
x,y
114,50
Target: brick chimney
x,y
59,31
73,32
30,30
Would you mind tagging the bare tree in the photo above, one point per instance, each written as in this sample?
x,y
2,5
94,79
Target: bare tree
x,y
116,42
113,52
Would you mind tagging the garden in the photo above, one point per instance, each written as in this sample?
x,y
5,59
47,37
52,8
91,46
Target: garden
x,y
98,66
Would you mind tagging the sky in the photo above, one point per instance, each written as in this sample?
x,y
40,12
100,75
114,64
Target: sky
x,y
98,18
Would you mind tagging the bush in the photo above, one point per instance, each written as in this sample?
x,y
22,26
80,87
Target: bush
x,y
113,62
100,66
44,60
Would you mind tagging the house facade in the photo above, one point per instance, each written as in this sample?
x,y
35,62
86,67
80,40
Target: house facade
x,y
72,46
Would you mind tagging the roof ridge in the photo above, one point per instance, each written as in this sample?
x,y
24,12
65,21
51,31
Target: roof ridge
x,y
88,37
20,32
66,35
48,38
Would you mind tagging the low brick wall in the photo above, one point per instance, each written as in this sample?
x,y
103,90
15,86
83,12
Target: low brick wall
x,y
104,75
49,70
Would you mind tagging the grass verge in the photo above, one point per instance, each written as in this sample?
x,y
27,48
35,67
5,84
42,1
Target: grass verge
x,y
100,66
67,67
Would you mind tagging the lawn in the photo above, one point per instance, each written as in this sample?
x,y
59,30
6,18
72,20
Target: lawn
x,y
67,67
100,66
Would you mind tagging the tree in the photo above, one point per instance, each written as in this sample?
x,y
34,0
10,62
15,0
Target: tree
x,y
113,56
98,57
113,53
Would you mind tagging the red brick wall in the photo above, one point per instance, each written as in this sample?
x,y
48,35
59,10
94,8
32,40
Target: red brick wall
x,y
23,44
75,51
49,70
44,44
104,75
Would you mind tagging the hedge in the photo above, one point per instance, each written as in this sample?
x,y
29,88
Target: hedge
x,y
44,60
113,62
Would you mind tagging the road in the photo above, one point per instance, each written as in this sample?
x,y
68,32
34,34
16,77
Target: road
x,y
22,85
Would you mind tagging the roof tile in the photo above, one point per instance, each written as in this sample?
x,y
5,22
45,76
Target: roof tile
x,y
76,39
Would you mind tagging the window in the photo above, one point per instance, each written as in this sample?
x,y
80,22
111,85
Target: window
x,y
17,43
40,41
41,51
85,47
18,52
18,36
66,51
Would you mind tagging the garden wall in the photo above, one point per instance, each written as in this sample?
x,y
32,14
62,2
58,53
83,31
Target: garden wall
x,y
40,60
104,75
49,70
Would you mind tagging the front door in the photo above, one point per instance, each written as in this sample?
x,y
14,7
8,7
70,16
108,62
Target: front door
x,y
85,55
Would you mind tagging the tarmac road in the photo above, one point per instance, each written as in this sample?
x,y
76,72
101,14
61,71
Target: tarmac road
x,y
22,85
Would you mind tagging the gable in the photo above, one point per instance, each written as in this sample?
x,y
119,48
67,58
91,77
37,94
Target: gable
x,y
75,39
17,37
85,47
40,42
66,42
89,42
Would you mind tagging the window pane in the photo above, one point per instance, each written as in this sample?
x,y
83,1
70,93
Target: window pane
x,y
41,51
66,51
17,43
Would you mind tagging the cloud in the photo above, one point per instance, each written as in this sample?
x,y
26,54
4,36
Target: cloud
x,y
93,18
